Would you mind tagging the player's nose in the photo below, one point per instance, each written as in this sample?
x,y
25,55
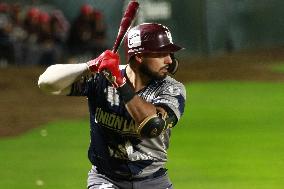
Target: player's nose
x,y
168,59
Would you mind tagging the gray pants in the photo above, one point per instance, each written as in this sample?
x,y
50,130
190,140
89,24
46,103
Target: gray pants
x,y
100,181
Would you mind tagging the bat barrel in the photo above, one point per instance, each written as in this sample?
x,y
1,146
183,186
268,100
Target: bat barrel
x,y
127,18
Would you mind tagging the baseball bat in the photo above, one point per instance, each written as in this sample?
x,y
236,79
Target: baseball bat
x,y
125,23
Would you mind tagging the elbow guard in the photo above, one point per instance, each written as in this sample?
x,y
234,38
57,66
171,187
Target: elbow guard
x,y
151,126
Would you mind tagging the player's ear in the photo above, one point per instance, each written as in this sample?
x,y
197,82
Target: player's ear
x,y
138,58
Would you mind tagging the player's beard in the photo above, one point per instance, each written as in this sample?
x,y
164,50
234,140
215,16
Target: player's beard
x,y
150,73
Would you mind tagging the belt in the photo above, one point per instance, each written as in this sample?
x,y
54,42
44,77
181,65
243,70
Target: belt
x,y
160,172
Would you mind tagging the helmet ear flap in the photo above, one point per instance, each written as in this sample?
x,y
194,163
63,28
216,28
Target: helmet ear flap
x,y
174,65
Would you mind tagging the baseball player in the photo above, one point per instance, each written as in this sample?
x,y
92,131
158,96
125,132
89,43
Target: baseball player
x,y
132,108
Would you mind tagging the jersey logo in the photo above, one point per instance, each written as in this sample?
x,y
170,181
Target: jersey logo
x,y
169,35
134,38
116,122
106,186
172,90
126,151
112,96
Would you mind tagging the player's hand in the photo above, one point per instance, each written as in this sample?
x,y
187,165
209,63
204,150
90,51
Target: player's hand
x,y
93,65
109,66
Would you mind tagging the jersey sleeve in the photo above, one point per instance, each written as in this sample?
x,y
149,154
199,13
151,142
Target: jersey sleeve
x,y
83,86
172,97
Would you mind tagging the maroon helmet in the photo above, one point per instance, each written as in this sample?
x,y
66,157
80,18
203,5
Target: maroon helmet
x,y
149,38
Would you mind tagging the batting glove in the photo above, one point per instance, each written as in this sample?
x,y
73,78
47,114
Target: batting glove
x,y
109,66
93,65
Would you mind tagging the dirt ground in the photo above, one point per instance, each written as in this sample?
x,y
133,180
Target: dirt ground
x,y
23,106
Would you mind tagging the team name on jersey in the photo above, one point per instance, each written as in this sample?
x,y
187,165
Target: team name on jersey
x,y
115,122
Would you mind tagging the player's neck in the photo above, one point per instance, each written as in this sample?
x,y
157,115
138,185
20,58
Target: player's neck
x,y
137,79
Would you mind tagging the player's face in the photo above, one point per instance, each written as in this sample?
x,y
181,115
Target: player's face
x,y
155,65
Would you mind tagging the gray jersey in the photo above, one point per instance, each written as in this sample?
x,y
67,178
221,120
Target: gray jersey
x,y
115,147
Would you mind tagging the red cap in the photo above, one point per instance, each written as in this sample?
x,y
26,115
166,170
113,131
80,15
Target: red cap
x,y
44,18
4,7
86,9
98,15
33,13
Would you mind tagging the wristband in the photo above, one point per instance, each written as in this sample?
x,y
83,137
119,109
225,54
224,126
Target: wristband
x,y
126,92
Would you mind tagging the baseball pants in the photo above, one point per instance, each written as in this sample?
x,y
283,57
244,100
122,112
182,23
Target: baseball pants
x,y
100,181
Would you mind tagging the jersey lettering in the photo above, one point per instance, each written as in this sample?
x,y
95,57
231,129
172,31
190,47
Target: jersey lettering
x,y
116,122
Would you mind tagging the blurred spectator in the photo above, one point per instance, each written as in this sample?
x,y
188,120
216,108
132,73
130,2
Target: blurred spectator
x,y
59,31
15,10
44,29
31,55
59,27
31,24
45,41
80,37
4,8
6,45
100,30
32,36
18,34
87,33
39,46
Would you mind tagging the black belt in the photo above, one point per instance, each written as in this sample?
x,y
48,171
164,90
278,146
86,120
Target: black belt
x,y
158,173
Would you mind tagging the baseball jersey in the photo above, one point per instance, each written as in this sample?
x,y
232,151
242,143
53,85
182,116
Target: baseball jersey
x,y
115,148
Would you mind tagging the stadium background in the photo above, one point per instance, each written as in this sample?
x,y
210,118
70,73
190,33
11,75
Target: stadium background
x,y
231,135
201,26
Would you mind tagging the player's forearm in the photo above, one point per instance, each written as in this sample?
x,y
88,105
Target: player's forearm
x,y
58,78
139,109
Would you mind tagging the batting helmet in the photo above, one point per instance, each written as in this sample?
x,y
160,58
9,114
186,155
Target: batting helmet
x,y
149,38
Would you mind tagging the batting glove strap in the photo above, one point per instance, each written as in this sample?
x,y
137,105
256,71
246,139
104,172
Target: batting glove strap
x,y
126,92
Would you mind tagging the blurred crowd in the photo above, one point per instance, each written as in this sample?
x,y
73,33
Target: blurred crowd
x,y
33,36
